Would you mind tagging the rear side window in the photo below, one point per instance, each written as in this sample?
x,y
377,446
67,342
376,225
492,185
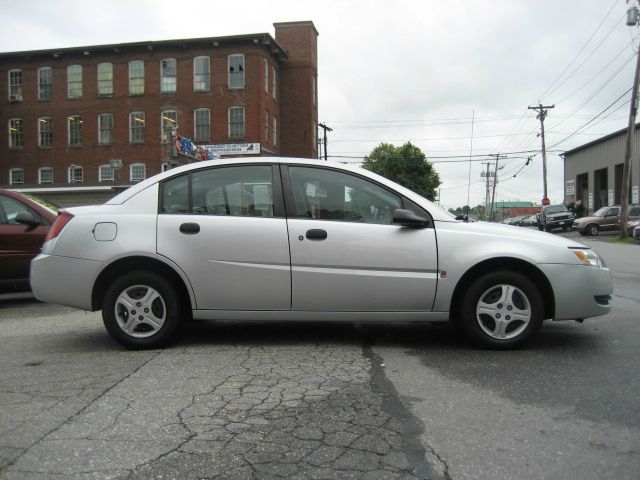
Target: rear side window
x,y
175,195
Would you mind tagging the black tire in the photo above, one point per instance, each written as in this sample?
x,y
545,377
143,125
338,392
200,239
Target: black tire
x,y
491,286
592,229
540,227
160,314
564,228
547,228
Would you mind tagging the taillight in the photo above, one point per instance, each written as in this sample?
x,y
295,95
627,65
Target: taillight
x,y
58,225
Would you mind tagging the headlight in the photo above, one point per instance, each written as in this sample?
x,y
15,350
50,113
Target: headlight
x,y
588,257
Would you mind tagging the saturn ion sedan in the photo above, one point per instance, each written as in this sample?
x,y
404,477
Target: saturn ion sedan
x,y
281,239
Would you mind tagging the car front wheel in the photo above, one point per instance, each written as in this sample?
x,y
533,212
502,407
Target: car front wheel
x,y
501,310
142,310
592,230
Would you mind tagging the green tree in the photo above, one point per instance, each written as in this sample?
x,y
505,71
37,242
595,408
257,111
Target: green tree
x,y
406,165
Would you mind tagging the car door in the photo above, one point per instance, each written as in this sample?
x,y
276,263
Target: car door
x,y
225,228
611,219
346,255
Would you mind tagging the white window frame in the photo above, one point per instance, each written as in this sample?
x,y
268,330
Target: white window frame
x,y
239,108
41,143
236,75
136,87
274,130
273,82
168,126
168,81
12,180
196,137
105,84
14,84
16,140
201,80
101,129
106,173
79,132
72,172
131,169
74,83
137,128
42,86
41,170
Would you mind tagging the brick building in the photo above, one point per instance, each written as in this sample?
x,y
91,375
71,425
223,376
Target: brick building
x,y
84,122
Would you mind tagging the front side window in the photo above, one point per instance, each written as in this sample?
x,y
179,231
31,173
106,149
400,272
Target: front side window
x,y
45,175
105,79
244,191
236,122
201,74
75,174
15,85
202,124
16,176
137,172
45,132
74,81
105,129
136,77
10,208
45,83
105,173
136,127
236,71
16,133
330,195
75,130
168,75
169,122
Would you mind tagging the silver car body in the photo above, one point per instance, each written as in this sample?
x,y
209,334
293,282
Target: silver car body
x,y
260,268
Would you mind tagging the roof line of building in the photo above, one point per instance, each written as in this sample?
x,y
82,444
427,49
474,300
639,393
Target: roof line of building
x,y
617,133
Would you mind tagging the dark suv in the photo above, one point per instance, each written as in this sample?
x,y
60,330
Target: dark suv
x,y
555,216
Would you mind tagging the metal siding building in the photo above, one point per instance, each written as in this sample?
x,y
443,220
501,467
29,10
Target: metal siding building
x,y
593,171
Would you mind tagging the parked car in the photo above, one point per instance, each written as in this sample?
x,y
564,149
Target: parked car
x,y
604,219
517,220
24,223
636,232
288,239
528,221
555,216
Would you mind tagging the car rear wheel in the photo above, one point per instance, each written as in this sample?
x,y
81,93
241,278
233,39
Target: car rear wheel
x,y
592,229
501,310
142,310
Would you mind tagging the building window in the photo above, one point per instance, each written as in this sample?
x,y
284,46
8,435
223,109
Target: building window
x,y
75,174
236,122
105,79
136,77
274,131
169,122
236,71
202,124
45,175
75,130
45,83
15,85
266,76
105,173
273,82
266,125
45,132
74,81
16,176
136,127
105,128
137,172
201,74
16,133
168,75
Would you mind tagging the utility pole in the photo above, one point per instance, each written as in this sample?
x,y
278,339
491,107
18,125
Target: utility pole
x,y
542,113
486,195
326,129
632,21
495,181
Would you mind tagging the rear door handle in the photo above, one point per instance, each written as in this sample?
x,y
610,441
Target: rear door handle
x,y
189,228
316,234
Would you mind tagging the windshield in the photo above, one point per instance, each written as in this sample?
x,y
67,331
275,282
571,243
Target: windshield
x,y
555,209
601,212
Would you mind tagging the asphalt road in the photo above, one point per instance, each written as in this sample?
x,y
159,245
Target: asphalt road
x,y
306,401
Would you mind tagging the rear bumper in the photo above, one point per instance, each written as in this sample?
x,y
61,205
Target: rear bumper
x,y
64,280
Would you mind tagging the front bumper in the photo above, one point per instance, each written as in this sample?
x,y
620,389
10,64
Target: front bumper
x,y
64,280
580,291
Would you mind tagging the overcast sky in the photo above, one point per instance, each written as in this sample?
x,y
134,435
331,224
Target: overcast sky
x,y
418,71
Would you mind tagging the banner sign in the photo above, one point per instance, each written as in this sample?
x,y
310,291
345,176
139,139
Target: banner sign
x,y
218,150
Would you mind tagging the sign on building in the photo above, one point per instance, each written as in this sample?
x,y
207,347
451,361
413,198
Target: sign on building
x,y
590,201
221,149
610,197
570,187
634,194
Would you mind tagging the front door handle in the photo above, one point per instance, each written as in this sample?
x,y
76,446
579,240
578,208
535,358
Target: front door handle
x,y
189,228
316,234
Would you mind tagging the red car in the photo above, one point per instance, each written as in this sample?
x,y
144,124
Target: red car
x,y
24,223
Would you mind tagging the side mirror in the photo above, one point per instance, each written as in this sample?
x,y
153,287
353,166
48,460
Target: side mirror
x,y
27,218
407,218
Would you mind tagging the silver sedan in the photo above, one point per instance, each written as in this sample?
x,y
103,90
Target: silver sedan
x,y
285,239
